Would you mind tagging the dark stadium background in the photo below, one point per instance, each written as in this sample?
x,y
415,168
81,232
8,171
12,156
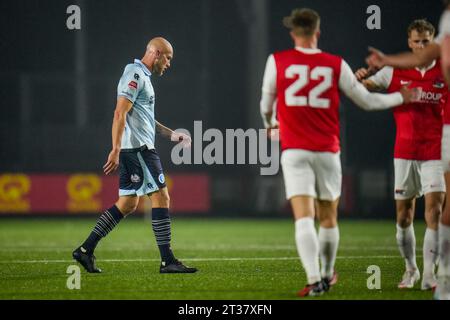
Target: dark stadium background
x,y
58,87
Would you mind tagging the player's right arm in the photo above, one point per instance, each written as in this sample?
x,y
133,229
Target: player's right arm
x,y
123,106
128,89
367,100
269,93
405,60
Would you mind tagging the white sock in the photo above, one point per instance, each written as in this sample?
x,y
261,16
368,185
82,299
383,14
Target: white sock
x,y
308,248
430,251
406,241
328,243
444,250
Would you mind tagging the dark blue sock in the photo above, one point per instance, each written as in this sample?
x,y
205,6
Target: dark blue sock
x,y
107,221
161,229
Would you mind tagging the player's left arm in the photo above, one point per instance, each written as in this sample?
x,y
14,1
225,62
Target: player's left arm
x,y
367,100
444,40
173,135
163,130
445,57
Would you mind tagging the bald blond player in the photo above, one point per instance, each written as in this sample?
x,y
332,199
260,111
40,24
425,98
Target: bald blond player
x,y
133,152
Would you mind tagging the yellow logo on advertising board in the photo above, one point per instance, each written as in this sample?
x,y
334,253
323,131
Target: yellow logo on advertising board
x,y
83,191
13,191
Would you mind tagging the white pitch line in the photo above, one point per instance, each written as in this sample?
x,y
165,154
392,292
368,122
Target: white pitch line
x,y
197,259
219,247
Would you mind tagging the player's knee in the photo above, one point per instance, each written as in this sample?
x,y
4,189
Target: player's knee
x,y
432,216
328,222
165,200
164,197
404,221
405,215
327,214
161,199
127,207
435,211
132,208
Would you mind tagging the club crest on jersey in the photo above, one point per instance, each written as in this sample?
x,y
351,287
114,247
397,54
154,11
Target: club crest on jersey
x,y
135,178
132,85
438,84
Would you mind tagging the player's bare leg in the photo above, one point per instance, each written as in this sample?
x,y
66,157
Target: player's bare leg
x,y
106,223
328,238
127,204
443,288
433,209
406,241
307,244
162,229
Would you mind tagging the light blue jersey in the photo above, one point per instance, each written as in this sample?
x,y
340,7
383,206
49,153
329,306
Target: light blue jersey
x,y
135,85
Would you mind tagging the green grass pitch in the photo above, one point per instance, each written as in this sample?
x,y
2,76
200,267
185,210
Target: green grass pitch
x,y
237,259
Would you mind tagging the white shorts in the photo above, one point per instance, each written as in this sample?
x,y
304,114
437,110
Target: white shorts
x,y
415,178
309,173
446,148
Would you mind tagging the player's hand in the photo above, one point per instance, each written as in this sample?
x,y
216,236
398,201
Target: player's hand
x,y
183,138
376,59
361,74
113,162
410,95
273,132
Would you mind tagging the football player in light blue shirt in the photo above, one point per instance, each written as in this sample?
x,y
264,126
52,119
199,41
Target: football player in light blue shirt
x,y
135,85
133,152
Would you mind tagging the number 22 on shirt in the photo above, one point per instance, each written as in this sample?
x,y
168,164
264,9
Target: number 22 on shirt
x,y
313,99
